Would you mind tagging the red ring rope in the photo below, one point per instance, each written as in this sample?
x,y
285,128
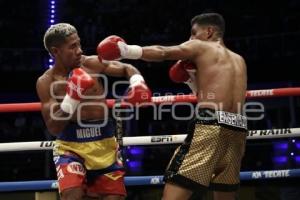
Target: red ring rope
x,y
251,94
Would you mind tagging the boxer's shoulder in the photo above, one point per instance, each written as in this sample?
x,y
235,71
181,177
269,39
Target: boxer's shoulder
x,y
47,76
92,64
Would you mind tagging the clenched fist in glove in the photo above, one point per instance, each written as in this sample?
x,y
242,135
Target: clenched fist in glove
x,y
184,72
78,82
138,91
115,48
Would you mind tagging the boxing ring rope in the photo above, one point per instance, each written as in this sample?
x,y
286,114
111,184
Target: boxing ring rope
x,y
153,140
266,93
145,180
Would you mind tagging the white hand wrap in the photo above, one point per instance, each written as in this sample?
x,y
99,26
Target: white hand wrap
x,y
192,85
136,79
191,82
130,51
69,105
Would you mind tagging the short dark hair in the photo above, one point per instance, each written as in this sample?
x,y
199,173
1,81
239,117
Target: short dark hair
x,y
57,34
213,19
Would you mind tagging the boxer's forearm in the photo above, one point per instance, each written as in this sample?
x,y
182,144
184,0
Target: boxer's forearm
x,y
57,121
154,53
161,53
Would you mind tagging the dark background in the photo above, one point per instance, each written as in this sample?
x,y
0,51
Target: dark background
x,y
265,33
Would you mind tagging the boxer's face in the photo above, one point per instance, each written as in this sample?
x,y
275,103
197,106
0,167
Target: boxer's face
x,y
201,32
70,52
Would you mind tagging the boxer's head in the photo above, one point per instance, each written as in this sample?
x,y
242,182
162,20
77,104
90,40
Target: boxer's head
x,y
207,26
63,43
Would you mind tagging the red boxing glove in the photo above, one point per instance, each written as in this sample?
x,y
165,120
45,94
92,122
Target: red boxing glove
x,y
189,67
138,90
184,71
78,83
178,73
115,48
108,48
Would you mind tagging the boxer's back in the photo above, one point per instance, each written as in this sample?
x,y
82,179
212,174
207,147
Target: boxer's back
x,y
222,78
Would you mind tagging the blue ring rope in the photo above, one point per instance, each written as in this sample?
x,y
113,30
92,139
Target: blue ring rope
x,y
144,180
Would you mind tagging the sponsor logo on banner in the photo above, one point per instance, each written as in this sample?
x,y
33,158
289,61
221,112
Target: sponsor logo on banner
x,y
258,93
271,174
155,180
47,144
76,168
277,174
256,175
163,99
283,131
54,185
163,138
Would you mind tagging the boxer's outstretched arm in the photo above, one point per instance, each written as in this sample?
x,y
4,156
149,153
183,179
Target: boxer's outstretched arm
x,y
185,51
115,48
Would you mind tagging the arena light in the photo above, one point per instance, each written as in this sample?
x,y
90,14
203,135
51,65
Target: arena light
x,y
292,154
281,145
280,159
136,151
134,165
51,21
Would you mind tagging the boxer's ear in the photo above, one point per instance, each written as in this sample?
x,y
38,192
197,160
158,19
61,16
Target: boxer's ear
x,y
210,31
54,51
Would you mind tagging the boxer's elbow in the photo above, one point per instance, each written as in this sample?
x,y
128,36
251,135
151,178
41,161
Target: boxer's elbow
x,y
53,131
54,128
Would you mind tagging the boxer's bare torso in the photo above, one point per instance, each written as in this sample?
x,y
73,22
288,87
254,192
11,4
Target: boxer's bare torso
x,y
221,78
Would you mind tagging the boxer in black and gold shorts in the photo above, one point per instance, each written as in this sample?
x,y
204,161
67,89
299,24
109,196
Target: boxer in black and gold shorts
x,y
211,154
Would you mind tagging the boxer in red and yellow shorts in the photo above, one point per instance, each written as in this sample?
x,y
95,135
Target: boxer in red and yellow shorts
x,y
88,158
71,173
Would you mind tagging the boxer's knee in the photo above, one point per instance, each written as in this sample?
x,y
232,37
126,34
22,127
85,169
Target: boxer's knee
x,y
72,194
